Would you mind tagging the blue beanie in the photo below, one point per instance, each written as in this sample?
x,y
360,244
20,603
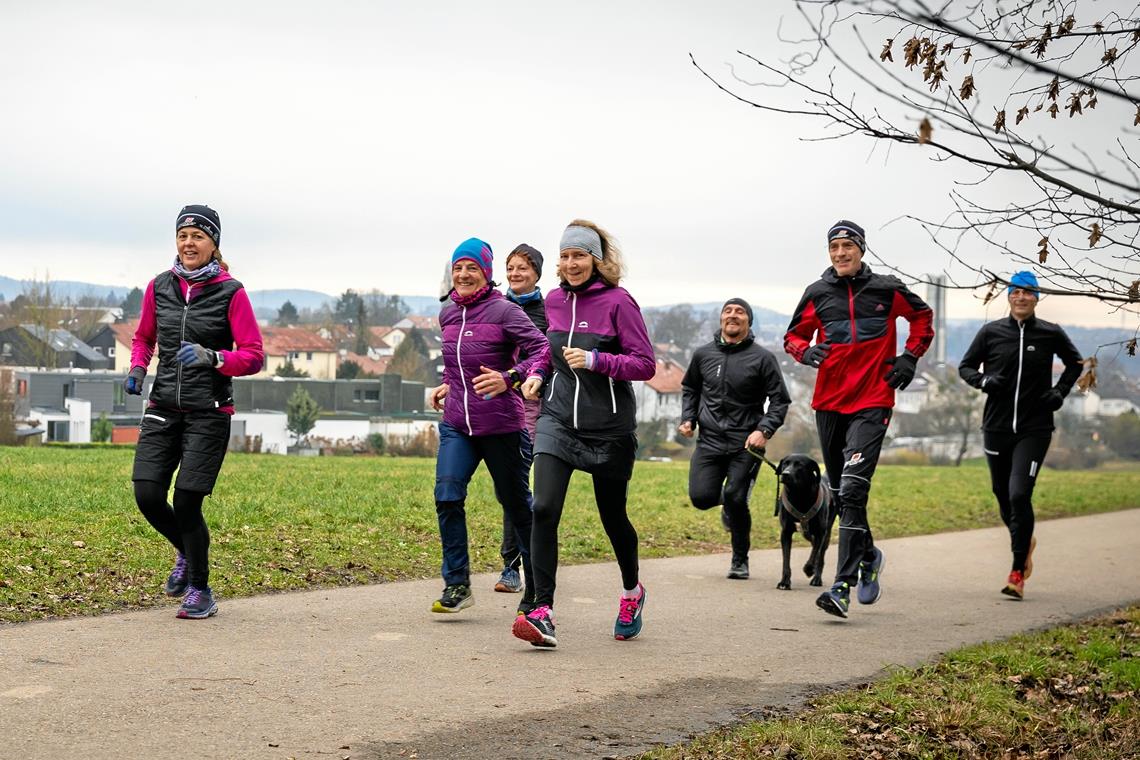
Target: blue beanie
x,y
1025,280
846,229
476,250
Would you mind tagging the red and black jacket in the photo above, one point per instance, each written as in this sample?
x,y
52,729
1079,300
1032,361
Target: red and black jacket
x,y
856,315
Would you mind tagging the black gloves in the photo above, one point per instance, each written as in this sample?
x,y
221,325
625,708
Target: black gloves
x,y
1053,400
134,382
194,355
992,383
902,370
815,355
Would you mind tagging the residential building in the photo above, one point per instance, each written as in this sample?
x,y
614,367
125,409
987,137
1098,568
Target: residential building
x,y
114,341
660,397
28,345
307,351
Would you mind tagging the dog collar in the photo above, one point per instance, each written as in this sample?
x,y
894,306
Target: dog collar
x,y
820,499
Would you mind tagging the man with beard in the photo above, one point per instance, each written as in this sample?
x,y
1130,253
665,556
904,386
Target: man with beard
x,y
724,394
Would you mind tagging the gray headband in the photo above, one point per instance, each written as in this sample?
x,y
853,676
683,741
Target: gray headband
x,y
584,238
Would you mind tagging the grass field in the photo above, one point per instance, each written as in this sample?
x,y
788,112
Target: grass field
x,y
73,543
1070,692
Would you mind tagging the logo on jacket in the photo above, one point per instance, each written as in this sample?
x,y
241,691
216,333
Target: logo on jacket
x,y
855,459
583,324
878,307
468,334
1030,348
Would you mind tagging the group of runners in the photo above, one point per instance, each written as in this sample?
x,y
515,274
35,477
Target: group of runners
x,y
540,386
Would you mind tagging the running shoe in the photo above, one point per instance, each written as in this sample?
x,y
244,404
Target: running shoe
x,y
177,581
836,601
1029,559
198,604
738,570
455,597
869,589
536,627
628,624
1015,585
510,581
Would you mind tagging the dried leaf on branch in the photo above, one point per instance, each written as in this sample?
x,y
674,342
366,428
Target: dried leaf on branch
x,y
991,292
1022,113
967,88
999,121
1043,253
1130,347
886,54
1087,381
925,131
1134,291
1094,235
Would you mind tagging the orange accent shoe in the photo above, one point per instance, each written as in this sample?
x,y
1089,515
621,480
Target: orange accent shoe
x,y
1015,585
1029,559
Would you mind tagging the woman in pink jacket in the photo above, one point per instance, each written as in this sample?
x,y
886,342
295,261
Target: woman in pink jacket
x,y
201,320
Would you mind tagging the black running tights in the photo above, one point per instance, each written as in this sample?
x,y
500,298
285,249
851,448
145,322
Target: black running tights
x,y
551,479
182,525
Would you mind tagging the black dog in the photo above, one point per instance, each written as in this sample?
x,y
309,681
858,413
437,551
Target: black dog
x,y
803,502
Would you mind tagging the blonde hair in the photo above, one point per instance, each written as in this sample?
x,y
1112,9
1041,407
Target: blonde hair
x,y
221,261
612,265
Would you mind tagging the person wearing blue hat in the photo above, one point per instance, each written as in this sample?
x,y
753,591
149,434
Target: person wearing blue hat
x,y
1011,361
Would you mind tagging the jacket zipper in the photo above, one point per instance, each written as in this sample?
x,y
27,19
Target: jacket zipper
x,y
182,337
851,311
569,341
462,379
613,398
1020,360
551,394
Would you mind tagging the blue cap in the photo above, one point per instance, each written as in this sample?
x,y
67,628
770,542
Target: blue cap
x,y
1025,280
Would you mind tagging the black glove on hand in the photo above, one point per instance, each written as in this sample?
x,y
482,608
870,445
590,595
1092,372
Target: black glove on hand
x,y
194,355
992,383
815,355
133,384
902,371
1053,400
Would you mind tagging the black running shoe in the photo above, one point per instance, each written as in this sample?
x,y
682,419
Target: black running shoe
x,y
536,627
198,604
836,601
738,570
178,580
455,597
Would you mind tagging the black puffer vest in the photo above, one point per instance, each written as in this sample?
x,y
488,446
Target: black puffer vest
x,y
203,320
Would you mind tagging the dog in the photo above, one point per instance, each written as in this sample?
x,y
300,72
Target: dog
x,y
803,502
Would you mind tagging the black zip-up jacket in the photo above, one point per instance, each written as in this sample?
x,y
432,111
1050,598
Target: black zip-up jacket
x,y
1018,360
203,320
724,391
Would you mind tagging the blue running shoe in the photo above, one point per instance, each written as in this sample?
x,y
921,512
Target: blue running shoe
x,y
869,590
628,623
836,601
178,579
198,604
536,627
510,581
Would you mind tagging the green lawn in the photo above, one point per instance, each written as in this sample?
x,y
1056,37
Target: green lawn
x,y
1070,692
73,543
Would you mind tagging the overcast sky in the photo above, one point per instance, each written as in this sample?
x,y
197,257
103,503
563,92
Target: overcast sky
x,y
354,144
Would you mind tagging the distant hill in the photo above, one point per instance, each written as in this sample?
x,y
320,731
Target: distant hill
x,y
62,289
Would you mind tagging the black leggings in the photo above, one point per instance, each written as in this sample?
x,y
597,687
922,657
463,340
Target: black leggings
x,y
182,525
551,479
1015,460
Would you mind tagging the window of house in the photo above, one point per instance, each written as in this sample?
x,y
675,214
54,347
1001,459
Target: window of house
x,y
111,351
371,395
309,356
21,388
7,349
294,355
357,394
98,349
120,396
